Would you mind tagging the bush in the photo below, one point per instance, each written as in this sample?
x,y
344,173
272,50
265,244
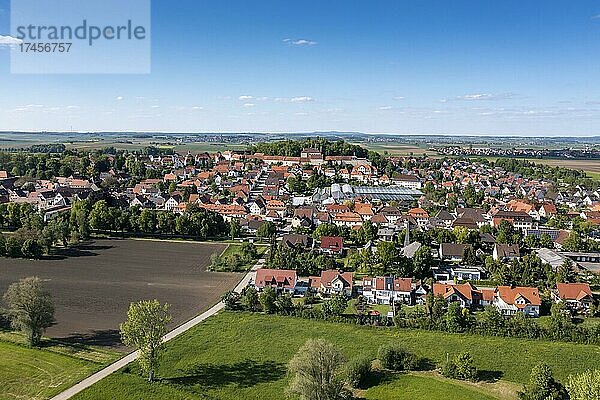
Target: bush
x,y
460,367
231,300
396,358
542,385
358,371
584,386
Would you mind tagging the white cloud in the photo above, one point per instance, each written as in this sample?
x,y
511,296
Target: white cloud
x,y
399,98
245,97
302,99
247,105
197,108
9,41
383,108
119,98
300,42
482,96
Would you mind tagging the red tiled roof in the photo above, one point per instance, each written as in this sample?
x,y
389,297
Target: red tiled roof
x,y
333,243
510,294
573,291
281,278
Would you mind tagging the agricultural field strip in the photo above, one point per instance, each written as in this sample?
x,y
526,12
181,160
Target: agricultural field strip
x,y
129,358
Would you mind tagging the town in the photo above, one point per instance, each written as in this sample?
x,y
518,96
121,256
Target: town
x,y
389,229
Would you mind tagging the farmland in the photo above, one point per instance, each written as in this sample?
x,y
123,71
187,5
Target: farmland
x,y
240,355
93,284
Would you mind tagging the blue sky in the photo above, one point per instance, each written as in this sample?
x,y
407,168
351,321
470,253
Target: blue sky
x,y
408,67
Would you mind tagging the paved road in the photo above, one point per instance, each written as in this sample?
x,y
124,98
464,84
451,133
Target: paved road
x,y
117,365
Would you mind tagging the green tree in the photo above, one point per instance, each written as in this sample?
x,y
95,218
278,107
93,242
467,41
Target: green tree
x,y
326,230
396,358
543,386
234,228
546,241
284,304
584,386
358,370
30,308
31,249
267,300
266,230
469,257
461,367
455,319
573,242
532,241
147,221
423,262
566,272
316,371
335,306
99,216
231,300
386,255
492,321
250,300
146,324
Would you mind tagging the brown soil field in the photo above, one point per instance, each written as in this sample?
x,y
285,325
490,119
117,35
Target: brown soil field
x,y
94,283
585,165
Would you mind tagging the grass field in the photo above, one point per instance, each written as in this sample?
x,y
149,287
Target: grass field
x,y
425,387
234,248
28,373
243,356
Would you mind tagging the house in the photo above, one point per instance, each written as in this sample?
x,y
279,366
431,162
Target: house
x,y
577,296
445,217
519,219
465,294
407,181
282,280
297,241
420,215
387,290
506,252
257,207
333,282
172,202
510,300
467,273
547,210
349,219
332,244
453,251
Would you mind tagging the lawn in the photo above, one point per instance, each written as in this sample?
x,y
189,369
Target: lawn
x,y
423,387
235,248
29,373
243,356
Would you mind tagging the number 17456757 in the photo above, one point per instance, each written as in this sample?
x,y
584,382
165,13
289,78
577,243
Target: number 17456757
x,y
45,47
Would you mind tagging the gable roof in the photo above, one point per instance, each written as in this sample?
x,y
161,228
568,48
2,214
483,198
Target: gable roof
x,y
328,276
333,243
510,294
465,290
281,278
508,250
573,291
